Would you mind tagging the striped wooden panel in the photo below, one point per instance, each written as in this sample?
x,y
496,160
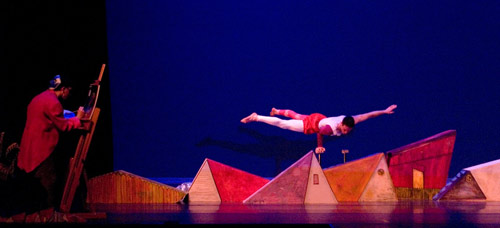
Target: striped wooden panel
x,y
124,187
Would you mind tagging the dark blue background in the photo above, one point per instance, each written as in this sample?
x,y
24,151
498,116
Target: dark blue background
x,y
183,74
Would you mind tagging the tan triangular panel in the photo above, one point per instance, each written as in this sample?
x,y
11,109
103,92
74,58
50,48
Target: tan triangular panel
x,y
380,187
124,187
203,188
349,180
487,176
318,190
289,187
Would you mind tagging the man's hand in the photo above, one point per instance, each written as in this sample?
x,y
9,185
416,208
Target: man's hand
x,y
80,112
319,150
390,109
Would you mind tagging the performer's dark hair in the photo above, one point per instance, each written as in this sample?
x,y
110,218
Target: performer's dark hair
x,y
65,83
348,121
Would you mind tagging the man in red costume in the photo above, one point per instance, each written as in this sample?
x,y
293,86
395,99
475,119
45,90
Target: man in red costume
x,y
316,122
45,121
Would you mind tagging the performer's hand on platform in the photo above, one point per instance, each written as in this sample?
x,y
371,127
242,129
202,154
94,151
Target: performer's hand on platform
x,y
319,150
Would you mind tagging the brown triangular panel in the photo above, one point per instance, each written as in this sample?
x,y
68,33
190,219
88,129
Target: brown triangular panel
x,y
462,187
289,187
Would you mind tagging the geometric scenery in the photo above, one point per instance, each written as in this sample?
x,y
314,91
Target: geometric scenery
x,y
365,179
462,187
216,182
478,182
302,183
419,170
124,187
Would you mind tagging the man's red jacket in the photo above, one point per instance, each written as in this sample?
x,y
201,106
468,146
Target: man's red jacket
x,y
44,121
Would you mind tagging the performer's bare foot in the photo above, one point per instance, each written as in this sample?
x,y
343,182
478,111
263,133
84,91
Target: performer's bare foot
x,y
252,117
273,111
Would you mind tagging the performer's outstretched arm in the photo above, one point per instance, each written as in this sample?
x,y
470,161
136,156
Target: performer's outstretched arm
x,y
362,117
320,149
325,130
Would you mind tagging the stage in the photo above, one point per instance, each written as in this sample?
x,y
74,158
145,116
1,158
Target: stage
x,y
380,214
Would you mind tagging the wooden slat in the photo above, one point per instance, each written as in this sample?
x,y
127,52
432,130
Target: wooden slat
x,y
123,187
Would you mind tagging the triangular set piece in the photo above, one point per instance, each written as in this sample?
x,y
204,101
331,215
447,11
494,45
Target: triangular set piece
x,y
124,187
462,187
478,182
216,182
203,188
302,183
365,179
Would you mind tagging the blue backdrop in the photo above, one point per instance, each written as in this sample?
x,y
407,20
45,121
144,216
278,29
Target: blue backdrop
x,y
183,74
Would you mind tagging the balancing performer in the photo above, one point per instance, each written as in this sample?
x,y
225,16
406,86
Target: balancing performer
x,y
316,122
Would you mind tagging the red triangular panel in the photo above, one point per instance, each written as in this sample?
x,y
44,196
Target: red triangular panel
x,y
234,185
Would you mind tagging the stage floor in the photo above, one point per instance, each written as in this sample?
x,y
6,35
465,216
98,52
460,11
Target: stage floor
x,y
378,214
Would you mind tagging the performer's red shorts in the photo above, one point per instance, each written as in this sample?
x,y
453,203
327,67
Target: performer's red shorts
x,y
311,123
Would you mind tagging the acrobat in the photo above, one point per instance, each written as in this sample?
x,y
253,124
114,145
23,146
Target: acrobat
x,y
316,122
